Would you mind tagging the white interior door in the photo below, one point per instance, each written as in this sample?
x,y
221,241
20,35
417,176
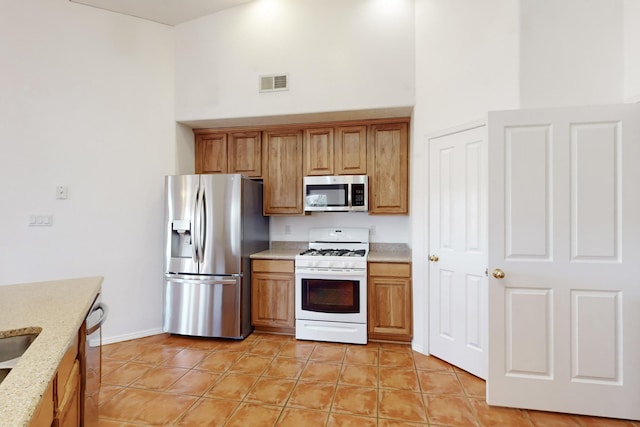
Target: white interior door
x,y
564,228
458,249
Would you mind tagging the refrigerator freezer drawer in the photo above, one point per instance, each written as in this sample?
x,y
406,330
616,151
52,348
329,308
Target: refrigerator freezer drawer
x,y
204,307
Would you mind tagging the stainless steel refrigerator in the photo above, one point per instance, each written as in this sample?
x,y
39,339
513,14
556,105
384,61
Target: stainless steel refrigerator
x,y
213,223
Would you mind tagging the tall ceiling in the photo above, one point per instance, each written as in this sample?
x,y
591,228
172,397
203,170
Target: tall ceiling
x,y
169,12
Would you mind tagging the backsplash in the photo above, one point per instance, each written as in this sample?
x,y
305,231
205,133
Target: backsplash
x,y
382,229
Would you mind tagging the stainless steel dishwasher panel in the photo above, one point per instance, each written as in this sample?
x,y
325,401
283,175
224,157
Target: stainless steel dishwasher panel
x,y
92,362
205,306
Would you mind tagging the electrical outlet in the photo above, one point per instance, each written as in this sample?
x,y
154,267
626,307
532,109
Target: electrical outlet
x,y
62,192
287,229
372,230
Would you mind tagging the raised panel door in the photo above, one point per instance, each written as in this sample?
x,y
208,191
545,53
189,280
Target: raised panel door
x,y
350,150
43,415
389,299
282,172
564,231
458,248
211,153
388,168
318,152
68,413
272,300
245,153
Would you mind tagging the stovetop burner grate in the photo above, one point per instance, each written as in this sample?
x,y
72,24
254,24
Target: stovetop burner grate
x,y
334,252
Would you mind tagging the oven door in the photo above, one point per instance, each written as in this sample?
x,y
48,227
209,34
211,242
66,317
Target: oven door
x,y
331,296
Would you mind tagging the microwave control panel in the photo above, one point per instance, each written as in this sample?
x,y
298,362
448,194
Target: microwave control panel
x,y
357,194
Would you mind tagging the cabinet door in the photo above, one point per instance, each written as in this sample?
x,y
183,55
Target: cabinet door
x,y
272,300
388,166
43,415
318,151
282,172
245,153
350,150
69,402
211,153
389,297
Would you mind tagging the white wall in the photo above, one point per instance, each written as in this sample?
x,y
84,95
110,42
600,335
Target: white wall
x,y
340,55
86,99
632,50
571,52
466,65
466,61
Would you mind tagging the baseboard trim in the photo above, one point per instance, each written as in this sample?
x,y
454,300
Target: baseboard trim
x,y
132,336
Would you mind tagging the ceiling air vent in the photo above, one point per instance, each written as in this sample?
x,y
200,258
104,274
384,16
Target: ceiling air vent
x,y
274,82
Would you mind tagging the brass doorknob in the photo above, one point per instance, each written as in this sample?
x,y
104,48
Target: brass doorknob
x,y
498,274
433,258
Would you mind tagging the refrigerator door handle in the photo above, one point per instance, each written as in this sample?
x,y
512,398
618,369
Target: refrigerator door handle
x,y
194,236
202,224
196,227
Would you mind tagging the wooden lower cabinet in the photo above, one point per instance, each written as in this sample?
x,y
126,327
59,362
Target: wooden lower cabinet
x,y
390,315
69,401
272,296
61,403
43,416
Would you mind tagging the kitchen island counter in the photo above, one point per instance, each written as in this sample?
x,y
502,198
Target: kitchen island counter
x,y
55,309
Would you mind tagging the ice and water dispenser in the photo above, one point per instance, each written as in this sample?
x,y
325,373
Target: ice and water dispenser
x,y
181,239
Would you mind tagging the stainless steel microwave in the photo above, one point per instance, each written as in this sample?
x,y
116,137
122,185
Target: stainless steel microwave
x,y
336,193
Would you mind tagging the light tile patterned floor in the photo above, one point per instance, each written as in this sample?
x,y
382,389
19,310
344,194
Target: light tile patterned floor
x,y
272,380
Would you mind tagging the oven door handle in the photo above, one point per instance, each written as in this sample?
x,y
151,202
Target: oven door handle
x,y
329,273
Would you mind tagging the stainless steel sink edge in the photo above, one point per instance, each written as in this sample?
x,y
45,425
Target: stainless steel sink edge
x,y
12,346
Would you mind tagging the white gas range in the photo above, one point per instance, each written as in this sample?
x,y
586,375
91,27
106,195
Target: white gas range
x,y
331,286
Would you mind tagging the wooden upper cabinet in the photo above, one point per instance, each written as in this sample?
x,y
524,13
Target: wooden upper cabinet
x,y
335,151
388,168
350,150
229,152
282,156
211,153
282,171
318,151
245,153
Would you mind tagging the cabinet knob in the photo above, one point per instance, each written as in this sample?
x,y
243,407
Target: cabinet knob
x,y
433,258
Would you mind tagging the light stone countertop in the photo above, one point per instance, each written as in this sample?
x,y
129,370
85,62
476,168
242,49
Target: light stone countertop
x,y
378,252
282,250
57,308
389,252
277,253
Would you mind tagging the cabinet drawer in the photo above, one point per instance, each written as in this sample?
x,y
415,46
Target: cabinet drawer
x,y
273,266
389,269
